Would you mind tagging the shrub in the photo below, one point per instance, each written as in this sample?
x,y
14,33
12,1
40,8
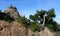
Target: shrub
x,y
33,34
6,17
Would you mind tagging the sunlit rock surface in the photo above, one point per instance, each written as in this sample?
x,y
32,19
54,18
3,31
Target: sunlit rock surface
x,y
11,29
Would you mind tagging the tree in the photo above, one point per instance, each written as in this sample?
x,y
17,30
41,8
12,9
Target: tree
x,y
40,17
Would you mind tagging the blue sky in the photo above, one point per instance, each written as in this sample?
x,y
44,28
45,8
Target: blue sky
x,y
27,7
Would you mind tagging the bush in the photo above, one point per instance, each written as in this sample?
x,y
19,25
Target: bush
x,y
57,34
50,27
34,27
33,34
6,17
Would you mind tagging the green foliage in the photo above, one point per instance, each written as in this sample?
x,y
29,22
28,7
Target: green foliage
x,y
34,26
57,34
50,27
33,34
49,22
19,19
51,13
58,27
34,17
23,20
41,13
6,17
38,17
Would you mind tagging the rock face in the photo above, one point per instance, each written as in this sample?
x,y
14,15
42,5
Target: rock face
x,y
11,29
46,32
12,11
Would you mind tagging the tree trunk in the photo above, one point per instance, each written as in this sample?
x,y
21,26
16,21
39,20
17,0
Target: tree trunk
x,y
43,27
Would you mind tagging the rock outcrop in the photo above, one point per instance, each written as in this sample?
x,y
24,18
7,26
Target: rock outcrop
x,y
46,32
12,11
11,29
16,29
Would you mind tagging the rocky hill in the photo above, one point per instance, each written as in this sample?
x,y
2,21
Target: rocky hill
x,y
12,11
16,29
